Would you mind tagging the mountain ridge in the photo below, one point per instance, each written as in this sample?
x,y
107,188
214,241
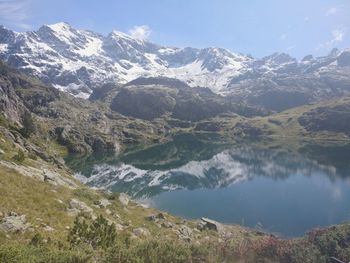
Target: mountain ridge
x,y
80,61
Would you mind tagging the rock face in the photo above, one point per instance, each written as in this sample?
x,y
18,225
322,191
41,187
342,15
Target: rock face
x,y
14,223
19,94
150,98
146,103
80,142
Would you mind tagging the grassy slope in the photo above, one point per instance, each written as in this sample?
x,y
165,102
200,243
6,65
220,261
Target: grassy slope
x,y
286,124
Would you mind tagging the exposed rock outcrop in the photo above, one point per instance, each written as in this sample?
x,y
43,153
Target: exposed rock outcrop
x,y
207,223
141,232
14,223
76,206
40,174
124,199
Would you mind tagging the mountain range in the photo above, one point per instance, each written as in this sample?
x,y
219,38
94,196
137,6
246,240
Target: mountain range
x,y
81,61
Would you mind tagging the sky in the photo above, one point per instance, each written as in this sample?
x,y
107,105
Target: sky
x,y
255,27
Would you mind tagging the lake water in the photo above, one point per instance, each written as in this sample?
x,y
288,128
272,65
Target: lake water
x,y
284,189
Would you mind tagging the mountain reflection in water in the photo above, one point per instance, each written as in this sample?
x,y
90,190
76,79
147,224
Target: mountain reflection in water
x,y
246,184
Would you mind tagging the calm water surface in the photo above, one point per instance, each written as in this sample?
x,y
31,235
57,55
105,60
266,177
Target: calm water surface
x,y
282,189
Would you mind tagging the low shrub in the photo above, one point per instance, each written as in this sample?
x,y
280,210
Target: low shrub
x,y
19,157
18,253
97,234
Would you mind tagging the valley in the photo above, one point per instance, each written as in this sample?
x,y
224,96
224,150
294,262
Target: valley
x,y
126,129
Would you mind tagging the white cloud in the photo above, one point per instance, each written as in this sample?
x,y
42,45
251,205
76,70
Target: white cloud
x,y
291,48
283,36
337,37
140,32
14,13
331,11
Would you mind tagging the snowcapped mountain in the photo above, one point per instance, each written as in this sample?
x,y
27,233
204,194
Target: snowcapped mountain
x,y
79,61
279,82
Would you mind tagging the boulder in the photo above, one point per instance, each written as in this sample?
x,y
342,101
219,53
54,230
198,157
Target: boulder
x,y
207,223
157,217
141,232
47,228
14,223
118,227
103,203
77,206
124,199
167,224
151,218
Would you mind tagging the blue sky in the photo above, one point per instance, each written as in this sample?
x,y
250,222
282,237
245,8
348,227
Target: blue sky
x,y
256,27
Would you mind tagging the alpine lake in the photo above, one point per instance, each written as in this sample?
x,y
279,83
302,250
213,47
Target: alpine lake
x,y
285,188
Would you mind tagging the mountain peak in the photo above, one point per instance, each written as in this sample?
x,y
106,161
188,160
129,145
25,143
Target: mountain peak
x,y
59,26
279,58
118,35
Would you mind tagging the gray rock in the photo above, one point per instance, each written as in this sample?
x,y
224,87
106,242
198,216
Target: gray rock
x,y
210,224
167,224
185,233
12,214
124,199
118,227
14,223
141,232
159,216
151,218
77,206
73,211
38,173
104,202
48,228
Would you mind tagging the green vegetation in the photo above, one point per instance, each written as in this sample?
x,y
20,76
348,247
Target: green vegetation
x,y
28,125
50,253
316,246
19,157
98,234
